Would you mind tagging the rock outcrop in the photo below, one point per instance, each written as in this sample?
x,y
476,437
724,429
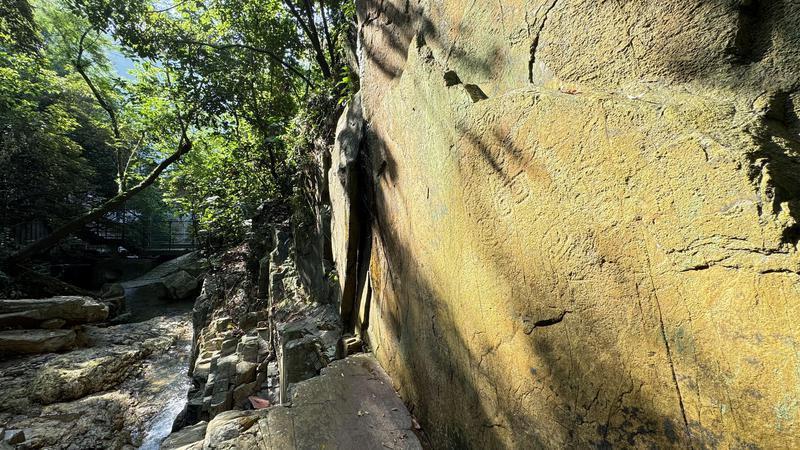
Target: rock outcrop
x,y
80,373
102,396
35,341
583,219
44,312
351,405
44,319
177,280
267,366
251,331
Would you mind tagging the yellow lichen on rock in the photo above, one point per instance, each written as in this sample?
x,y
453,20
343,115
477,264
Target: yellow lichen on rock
x,y
603,253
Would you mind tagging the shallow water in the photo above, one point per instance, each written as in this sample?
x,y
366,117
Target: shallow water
x,y
168,392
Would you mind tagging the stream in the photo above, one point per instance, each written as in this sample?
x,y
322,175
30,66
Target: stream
x,y
168,387
164,383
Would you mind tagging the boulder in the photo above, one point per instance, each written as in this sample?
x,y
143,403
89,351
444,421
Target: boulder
x,y
17,313
229,425
180,285
188,438
78,374
175,280
35,341
112,290
14,436
192,263
145,290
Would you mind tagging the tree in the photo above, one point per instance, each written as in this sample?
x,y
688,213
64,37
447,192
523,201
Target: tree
x,y
44,171
225,77
17,28
152,95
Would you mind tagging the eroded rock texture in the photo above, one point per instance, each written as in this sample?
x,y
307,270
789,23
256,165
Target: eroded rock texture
x,y
102,396
584,219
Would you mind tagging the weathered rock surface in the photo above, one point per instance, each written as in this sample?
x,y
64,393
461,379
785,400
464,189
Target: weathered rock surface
x,y
31,313
231,339
163,288
343,185
586,219
89,398
350,405
190,437
180,285
35,341
85,372
241,339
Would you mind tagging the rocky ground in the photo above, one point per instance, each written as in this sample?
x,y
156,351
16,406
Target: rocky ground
x,y
271,365
350,405
256,331
103,395
110,372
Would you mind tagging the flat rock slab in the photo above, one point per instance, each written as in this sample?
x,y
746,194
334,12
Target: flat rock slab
x,y
350,405
35,341
190,262
74,309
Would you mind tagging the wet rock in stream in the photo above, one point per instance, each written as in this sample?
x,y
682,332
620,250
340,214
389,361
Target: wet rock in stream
x,y
105,395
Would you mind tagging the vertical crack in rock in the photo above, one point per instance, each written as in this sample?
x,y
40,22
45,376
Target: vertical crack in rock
x,y
663,330
535,42
754,28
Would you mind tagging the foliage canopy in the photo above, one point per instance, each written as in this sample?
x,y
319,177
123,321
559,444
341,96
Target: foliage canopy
x,y
210,108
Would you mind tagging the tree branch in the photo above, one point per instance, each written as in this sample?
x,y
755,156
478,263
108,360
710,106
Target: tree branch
x,y
309,28
264,51
184,146
131,156
103,104
327,31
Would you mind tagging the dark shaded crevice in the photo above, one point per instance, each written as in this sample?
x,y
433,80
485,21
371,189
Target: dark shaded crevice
x,y
361,222
451,78
535,42
791,235
775,165
475,93
698,267
544,322
754,29
768,271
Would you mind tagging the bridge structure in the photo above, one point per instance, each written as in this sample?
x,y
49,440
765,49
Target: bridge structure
x,y
125,231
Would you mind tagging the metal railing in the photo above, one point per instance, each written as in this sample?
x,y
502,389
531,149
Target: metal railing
x,y
125,229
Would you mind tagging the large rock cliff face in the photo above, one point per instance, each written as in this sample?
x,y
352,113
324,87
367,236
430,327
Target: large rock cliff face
x,y
583,219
